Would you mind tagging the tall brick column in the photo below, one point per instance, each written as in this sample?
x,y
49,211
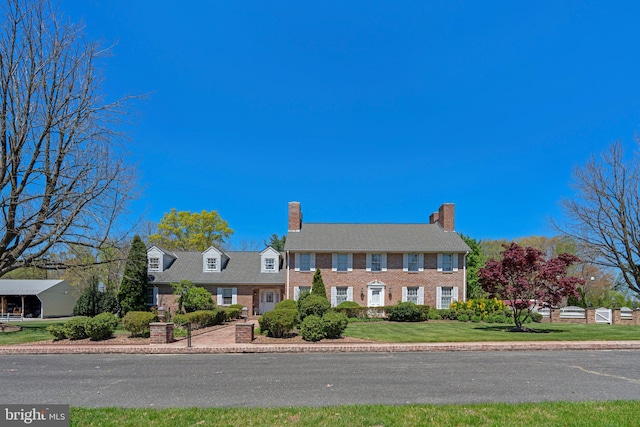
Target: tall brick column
x,y
590,315
555,315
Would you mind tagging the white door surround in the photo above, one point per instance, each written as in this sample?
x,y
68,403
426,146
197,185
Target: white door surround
x,y
375,294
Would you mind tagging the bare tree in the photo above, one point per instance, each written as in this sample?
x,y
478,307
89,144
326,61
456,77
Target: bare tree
x,y
604,215
63,180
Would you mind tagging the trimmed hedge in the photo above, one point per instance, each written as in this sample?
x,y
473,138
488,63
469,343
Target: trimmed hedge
x,y
404,312
137,322
205,318
277,323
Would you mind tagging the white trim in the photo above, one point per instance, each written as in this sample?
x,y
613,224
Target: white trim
x,y
334,262
334,294
368,261
219,297
383,262
234,295
405,293
439,297
350,293
454,261
439,262
296,293
312,262
421,295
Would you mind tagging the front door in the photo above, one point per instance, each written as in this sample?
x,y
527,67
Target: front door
x,y
268,299
376,296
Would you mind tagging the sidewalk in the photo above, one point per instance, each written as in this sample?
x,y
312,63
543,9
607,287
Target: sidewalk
x,y
223,341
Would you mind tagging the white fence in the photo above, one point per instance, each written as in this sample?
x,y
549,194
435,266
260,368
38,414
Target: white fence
x,y
572,312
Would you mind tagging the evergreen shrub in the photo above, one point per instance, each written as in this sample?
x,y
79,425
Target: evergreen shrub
x,y
277,323
313,305
137,322
404,312
312,328
101,326
334,324
75,329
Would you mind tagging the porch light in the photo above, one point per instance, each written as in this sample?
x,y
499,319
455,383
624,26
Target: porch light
x,y
362,293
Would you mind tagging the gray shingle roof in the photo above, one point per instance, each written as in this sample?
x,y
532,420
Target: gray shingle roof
x,y
323,237
242,268
26,287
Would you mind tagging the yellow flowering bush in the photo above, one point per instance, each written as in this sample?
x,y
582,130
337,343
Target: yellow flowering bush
x,y
483,308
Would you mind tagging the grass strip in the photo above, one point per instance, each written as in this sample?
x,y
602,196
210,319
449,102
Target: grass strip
x,y
615,413
453,331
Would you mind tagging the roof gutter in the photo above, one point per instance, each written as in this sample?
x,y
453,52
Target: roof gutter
x,y
464,269
287,281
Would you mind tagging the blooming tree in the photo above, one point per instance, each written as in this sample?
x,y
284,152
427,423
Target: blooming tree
x,y
523,274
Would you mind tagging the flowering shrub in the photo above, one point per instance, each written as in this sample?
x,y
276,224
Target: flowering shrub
x,y
485,309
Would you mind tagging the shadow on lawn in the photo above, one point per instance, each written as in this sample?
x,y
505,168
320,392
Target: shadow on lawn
x,y
512,328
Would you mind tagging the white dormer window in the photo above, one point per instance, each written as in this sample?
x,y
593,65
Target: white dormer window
x,y
269,261
212,264
269,264
154,264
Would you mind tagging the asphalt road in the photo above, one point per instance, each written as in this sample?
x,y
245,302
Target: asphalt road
x,y
271,380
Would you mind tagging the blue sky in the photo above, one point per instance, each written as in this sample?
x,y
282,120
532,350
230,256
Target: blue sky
x,y
369,111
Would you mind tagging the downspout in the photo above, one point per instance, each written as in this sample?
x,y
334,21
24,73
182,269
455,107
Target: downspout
x,y
464,268
287,281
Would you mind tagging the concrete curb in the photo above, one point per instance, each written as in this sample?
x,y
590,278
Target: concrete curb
x,y
324,348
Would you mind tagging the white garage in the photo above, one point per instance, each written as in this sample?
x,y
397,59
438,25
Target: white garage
x,y
21,299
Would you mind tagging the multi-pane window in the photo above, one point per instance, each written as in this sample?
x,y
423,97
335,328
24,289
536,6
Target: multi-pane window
x,y
151,296
412,295
342,262
447,262
341,295
376,262
269,264
412,262
303,290
212,264
305,262
154,264
446,297
227,296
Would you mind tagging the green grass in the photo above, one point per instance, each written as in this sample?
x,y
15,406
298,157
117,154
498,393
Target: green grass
x,y
32,330
36,330
619,413
453,331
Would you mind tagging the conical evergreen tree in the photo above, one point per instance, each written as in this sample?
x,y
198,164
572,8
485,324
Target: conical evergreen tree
x,y
318,285
133,289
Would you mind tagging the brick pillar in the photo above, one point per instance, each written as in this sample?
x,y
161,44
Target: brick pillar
x,y
555,315
590,315
161,333
636,316
244,333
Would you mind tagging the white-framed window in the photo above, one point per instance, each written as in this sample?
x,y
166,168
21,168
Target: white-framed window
x,y
154,264
212,264
412,262
342,262
447,262
305,261
445,295
376,262
299,290
412,294
340,294
270,264
227,296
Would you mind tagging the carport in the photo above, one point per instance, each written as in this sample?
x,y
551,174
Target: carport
x,y
21,299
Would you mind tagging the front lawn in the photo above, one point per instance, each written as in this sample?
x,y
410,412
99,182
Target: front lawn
x,y
493,414
36,330
453,331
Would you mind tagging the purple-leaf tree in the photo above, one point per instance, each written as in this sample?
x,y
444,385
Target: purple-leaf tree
x,y
523,275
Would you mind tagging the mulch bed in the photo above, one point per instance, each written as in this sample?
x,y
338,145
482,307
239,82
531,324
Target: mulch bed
x,y
9,328
294,338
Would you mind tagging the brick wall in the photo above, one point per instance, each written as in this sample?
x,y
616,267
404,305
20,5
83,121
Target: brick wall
x,y
394,278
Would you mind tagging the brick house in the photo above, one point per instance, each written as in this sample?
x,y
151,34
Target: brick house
x,y
378,264
254,279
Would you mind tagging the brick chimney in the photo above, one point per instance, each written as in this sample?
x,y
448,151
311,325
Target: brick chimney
x,y
444,217
295,216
